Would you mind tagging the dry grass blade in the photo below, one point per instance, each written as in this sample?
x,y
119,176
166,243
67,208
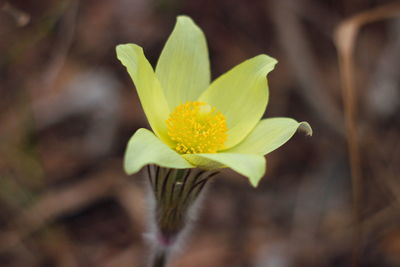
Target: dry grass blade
x,y
346,34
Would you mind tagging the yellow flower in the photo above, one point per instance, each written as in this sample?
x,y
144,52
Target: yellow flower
x,y
198,124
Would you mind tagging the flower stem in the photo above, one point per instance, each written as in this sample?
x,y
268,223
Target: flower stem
x,y
160,259
175,191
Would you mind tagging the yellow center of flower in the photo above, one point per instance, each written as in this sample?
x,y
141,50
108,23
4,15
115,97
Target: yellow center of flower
x,y
197,127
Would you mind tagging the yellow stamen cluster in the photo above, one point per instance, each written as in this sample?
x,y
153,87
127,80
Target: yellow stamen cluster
x,y
197,127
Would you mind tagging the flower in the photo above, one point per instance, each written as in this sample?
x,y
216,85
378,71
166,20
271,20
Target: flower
x,y
198,124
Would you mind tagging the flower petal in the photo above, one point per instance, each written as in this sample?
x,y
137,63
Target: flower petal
x,y
269,134
183,67
145,148
241,95
148,87
250,165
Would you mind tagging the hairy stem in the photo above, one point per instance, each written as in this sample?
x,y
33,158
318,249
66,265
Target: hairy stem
x,y
160,259
175,191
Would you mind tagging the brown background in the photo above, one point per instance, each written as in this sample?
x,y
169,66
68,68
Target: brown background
x,y
68,107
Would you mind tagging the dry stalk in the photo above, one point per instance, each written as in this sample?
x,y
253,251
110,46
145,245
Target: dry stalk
x,y
346,35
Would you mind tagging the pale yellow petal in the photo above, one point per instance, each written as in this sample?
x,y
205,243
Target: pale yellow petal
x,y
183,67
269,134
145,148
147,86
251,166
241,95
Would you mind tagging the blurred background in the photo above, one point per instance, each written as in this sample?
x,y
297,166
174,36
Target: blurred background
x,y
68,108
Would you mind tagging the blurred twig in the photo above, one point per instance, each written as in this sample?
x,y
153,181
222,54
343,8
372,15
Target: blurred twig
x,y
346,34
60,51
321,17
61,202
294,42
21,18
17,53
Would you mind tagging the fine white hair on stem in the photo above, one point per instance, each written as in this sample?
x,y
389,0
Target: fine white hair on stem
x,y
174,198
